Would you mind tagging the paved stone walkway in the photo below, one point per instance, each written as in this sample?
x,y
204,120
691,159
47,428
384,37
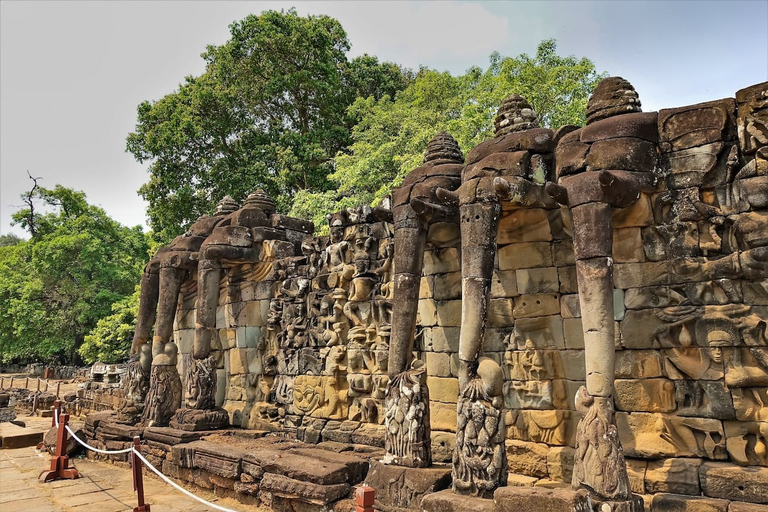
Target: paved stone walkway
x,y
102,488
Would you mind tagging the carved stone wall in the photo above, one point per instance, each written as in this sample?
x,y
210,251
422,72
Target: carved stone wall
x,y
303,337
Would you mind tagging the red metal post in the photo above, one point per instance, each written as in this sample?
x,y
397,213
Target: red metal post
x,y
364,497
60,461
138,477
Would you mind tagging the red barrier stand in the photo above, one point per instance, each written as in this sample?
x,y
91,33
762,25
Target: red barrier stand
x,y
138,478
60,461
364,497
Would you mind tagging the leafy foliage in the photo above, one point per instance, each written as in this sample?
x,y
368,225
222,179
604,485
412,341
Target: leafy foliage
x,y
392,132
56,286
110,341
269,112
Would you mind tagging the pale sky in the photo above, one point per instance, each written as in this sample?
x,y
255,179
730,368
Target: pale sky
x,y
73,73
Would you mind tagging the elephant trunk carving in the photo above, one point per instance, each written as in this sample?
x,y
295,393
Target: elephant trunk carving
x,y
590,195
416,207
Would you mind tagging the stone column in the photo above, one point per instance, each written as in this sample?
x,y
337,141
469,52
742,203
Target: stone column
x,y
200,411
590,187
407,439
497,171
139,366
164,395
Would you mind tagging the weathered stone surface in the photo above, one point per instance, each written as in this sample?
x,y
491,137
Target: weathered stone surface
x,y
357,467
678,503
653,436
402,487
650,395
560,463
448,501
638,364
539,499
677,476
527,458
722,480
285,487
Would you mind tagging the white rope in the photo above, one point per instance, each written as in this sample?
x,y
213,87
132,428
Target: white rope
x,y
146,462
177,486
105,452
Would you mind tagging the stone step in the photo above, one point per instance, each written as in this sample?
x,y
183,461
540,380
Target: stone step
x,y
13,436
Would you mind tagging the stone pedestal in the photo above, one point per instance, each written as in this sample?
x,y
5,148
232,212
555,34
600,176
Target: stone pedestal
x,y
399,488
195,420
448,501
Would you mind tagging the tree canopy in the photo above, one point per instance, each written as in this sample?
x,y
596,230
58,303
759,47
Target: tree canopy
x,y
393,131
55,286
269,112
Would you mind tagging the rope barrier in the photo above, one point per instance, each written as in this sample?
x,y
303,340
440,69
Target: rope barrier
x,y
97,450
146,462
178,487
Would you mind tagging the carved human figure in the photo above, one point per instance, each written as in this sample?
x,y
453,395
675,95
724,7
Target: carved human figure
x,y
407,441
591,185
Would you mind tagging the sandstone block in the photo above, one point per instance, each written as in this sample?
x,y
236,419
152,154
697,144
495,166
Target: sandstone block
x,y
515,480
427,314
628,245
573,333
537,280
542,332
504,284
443,389
447,286
677,503
524,225
560,463
527,458
637,275
654,436
399,487
438,364
649,395
442,339
238,361
638,364
441,261
636,472
540,499
449,313
722,480
567,278
443,445
525,255
709,399
442,416
677,476
501,313
540,304
304,491
448,501
570,307
562,253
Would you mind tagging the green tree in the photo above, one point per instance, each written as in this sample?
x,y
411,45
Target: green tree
x,y
9,239
269,112
110,341
392,132
57,285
